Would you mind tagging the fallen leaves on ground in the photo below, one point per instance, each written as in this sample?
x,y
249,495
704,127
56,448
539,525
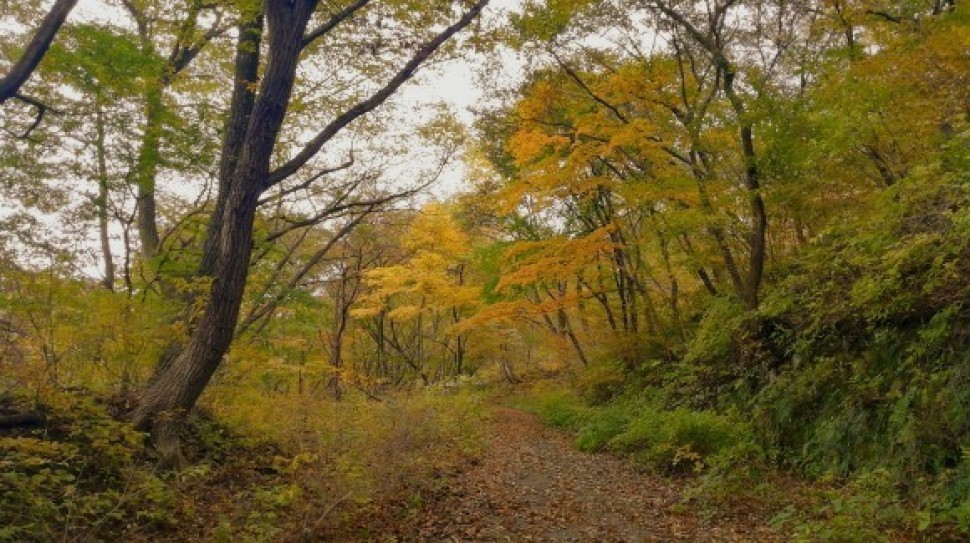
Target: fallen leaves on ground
x,y
532,485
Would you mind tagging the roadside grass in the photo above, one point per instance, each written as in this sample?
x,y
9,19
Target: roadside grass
x,y
725,472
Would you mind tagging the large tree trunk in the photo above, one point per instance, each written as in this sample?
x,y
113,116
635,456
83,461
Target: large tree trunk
x,y
176,390
240,110
178,384
246,74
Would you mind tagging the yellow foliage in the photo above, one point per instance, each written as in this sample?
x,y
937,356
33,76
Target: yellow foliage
x,y
364,449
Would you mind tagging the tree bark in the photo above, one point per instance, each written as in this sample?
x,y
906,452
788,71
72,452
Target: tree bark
x,y
240,110
175,391
146,170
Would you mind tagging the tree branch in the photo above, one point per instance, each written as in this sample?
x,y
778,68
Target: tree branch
x,y
340,207
265,310
582,85
885,16
375,100
41,110
10,84
333,22
306,184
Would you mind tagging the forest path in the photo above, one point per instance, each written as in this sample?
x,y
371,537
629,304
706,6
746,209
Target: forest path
x,y
531,484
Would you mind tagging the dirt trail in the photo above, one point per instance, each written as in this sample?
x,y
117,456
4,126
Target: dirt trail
x,y
532,485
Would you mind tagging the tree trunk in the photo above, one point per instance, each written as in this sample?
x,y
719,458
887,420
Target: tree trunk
x,y
146,170
712,41
240,110
176,390
341,314
101,203
178,386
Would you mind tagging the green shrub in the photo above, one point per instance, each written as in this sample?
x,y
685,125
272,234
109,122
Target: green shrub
x,y
601,426
679,441
558,408
600,383
78,477
714,339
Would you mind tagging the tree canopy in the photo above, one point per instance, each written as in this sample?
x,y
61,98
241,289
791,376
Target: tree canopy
x,y
742,219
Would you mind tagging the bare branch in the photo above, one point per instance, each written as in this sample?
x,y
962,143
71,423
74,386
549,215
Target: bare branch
x,y
41,110
582,84
375,100
306,184
333,22
267,309
333,210
182,56
885,16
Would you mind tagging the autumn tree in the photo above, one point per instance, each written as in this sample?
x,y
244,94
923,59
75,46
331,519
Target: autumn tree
x,y
256,119
423,300
181,29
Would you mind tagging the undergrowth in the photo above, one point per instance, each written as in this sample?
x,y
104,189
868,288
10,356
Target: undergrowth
x,y
678,441
324,468
80,475
730,467
359,458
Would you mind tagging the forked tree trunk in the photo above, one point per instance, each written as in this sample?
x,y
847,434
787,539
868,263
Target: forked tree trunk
x,y
713,41
184,50
240,111
176,390
179,383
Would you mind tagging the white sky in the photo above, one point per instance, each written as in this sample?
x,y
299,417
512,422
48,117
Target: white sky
x,y
454,83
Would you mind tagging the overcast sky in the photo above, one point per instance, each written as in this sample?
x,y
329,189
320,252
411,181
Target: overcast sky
x,y
454,83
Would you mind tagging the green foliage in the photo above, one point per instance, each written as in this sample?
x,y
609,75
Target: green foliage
x,y
601,426
714,337
679,441
868,378
101,59
545,21
866,509
601,382
78,477
556,407
638,426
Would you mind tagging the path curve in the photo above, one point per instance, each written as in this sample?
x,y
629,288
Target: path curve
x,y
531,484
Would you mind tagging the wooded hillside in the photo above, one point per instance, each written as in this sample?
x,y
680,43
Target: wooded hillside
x,y
726,241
